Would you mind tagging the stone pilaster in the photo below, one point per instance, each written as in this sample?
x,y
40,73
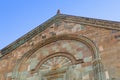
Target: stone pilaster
x,y
98,70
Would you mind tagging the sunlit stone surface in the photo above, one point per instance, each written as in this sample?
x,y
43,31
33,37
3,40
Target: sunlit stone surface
x,y
65,48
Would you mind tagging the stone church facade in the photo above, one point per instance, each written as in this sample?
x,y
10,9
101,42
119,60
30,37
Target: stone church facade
x,y
65,47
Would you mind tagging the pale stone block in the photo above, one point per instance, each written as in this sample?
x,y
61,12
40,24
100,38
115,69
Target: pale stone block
x,y
107,75
86,77
101,48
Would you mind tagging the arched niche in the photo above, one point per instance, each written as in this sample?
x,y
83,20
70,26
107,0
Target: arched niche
x,y
68,46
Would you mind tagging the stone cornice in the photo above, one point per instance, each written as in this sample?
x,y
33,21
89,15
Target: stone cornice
x,y
68,18
91,21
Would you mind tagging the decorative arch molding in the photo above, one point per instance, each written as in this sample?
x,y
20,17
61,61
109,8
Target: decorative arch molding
x,y
65,54
89,43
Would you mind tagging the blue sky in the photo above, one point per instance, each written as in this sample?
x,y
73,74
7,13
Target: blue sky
x,y
17,17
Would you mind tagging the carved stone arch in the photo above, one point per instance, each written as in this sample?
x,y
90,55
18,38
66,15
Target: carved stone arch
x,y
65,54
84,40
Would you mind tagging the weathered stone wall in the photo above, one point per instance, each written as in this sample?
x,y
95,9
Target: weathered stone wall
x,y
107,41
